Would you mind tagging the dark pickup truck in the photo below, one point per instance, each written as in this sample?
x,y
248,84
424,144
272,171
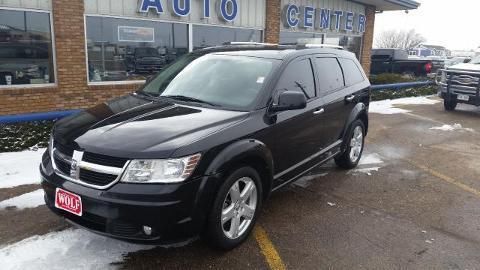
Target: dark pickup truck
x,y
145,60
396,61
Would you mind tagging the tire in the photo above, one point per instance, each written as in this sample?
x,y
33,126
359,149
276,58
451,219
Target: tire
x,y
449,104
350,158
221,234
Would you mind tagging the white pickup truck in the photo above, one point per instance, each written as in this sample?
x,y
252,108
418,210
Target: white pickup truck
x,y
460,84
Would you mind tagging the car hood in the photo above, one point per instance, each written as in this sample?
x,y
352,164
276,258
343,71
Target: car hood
x,y
465,66
135,127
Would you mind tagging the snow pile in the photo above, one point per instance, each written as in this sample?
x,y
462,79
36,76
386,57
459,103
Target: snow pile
x,y
69,249
388,106
20,168
452,128
27,200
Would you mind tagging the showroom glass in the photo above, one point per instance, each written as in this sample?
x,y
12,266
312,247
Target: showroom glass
x,y
350,43
232,82
129,49
208,36
26,53
293,38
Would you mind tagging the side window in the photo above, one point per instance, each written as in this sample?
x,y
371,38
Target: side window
x,y
351,71
298,76
330,75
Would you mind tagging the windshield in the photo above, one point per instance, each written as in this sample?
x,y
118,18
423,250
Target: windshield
x,y
222,80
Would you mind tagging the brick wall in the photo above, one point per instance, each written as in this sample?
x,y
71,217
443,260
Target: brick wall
x,y
72,90
272,22
368,39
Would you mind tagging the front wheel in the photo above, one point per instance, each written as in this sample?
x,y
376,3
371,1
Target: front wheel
x,y
449,104
235,209
353,151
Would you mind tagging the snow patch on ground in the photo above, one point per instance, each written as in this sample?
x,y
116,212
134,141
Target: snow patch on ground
x,y
306,181
369,159
367,171
69,249
20,168
453,127
27,200
388,106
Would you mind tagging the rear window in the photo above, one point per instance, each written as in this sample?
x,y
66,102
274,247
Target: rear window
x,y
351,72
329,74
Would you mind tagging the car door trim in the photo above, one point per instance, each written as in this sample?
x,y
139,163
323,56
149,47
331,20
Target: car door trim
x,y
304,172
310,158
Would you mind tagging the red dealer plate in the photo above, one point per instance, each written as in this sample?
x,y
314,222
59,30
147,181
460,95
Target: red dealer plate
x,y
68,201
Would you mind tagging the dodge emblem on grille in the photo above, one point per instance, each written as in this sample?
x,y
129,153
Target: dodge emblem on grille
x,y
74,166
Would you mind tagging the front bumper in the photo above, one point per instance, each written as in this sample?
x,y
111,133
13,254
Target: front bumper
x,y
474,98
175,212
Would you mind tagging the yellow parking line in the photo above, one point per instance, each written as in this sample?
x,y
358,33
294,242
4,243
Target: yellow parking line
x,y
268,249
445,178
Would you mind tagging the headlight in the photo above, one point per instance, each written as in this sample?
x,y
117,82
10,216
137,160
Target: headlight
x,y
444,77
160,170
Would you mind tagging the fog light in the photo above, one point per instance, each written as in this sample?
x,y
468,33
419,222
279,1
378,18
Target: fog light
x,y
147,230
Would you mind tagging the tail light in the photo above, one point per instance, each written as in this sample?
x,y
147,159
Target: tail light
x,y
428,67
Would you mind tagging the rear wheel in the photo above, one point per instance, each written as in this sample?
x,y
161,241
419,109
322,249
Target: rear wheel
x,y
353,151
449,104
235,209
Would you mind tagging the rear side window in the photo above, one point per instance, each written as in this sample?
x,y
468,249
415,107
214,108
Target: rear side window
x,y
351,71
330,75
298,76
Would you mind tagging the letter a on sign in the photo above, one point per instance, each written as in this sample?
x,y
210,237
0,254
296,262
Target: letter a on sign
x,y
146,5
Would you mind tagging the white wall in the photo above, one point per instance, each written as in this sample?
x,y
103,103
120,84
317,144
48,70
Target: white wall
x,y
29,4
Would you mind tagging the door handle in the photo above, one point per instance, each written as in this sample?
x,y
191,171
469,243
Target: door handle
x,y
319,111
350,98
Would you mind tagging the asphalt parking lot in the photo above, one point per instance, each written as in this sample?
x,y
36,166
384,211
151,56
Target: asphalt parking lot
x,y
413,203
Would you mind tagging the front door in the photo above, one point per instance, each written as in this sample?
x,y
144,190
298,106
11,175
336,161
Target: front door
x,y
296,132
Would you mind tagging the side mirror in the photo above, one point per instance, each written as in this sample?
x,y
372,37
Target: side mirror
x,y
290,100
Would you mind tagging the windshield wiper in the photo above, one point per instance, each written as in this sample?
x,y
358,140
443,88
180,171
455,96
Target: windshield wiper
x,y
303,88
191,99
143,93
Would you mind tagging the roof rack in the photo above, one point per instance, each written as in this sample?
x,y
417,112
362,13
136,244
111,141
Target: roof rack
x,y
249,43
322,46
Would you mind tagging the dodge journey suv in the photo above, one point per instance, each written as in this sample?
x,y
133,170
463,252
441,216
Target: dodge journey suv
x,y
197,150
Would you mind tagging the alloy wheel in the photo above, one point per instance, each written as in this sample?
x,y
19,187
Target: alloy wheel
x,y
356,144
239,207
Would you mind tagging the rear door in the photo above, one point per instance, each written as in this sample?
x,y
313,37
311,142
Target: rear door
x,y
335,95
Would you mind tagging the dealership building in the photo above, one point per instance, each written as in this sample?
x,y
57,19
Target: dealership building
x,y
70,54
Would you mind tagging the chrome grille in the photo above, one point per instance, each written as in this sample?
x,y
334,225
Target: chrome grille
x,y
465,80
74,167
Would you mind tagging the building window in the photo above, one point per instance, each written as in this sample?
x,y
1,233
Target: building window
x,y
293,38
129,49
26,53
350,43
207,36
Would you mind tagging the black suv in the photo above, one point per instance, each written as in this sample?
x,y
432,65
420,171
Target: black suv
x,y
201,145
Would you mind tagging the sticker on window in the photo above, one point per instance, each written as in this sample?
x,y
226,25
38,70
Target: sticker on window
x,y
260,79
